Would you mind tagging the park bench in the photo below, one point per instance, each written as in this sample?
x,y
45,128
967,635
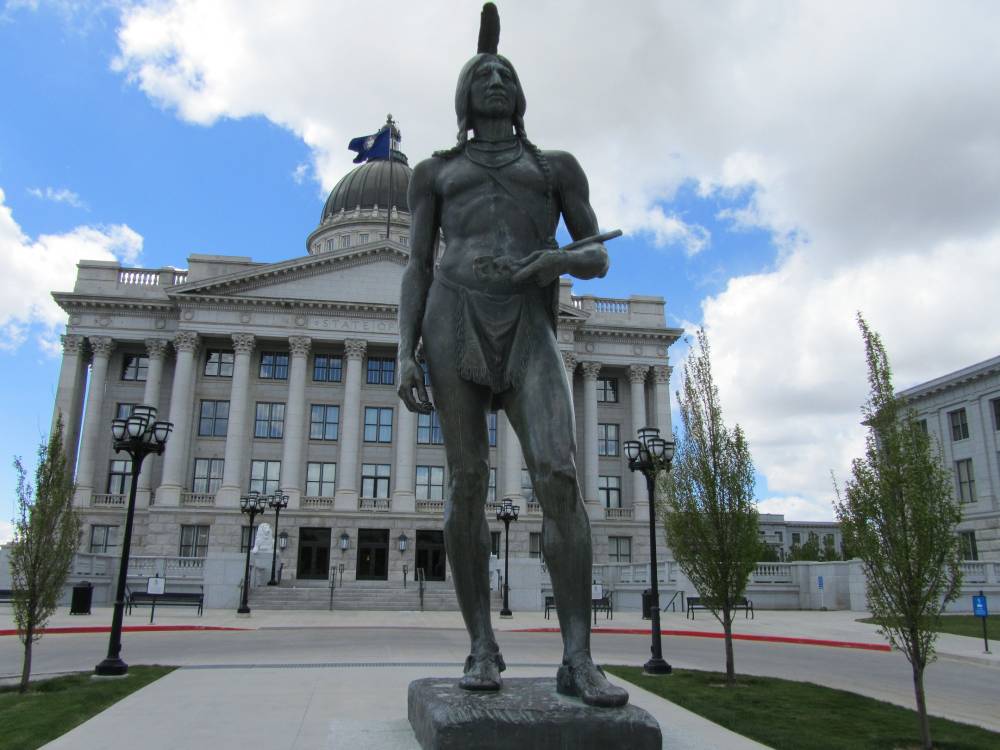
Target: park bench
x,y
550,603
6,595
603,605
166,599
694,602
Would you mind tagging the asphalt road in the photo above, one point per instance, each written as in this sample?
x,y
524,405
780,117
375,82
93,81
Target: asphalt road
x,y
959,690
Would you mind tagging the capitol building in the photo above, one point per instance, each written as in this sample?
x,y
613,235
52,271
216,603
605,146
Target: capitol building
x,y
280,377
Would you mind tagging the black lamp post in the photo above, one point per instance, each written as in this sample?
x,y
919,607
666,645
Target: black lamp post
x,y
253,504
278,502
139,436
507,512
651,454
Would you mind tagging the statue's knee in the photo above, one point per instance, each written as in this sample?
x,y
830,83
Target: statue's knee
x,y
555,480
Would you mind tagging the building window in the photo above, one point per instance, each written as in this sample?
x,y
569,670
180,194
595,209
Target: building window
x,y
119,474
134,367
273,366
124,411
247,538
378,424
430,483
491,487
362,239
345,240
527,487
959,424
491,428
966,481
327,368
321,479
103,539
219,363
214,419
194,541
967,540
265,476
374,480
607,390
269,421
609,491
607,440
828,541
324,422
995,407
381,371
429,429
495,543
922,424
796,539
535,544
207,475
620,549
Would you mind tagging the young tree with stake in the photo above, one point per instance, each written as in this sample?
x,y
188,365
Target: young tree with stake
x,y
46,534
711,519
898,514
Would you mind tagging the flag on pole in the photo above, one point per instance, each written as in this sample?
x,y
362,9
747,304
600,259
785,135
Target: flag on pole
x,y
374,146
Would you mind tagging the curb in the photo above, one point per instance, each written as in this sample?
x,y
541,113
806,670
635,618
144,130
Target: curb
x,y
125,629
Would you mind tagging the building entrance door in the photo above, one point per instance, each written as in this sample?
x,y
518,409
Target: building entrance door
x,y
373,554
314,554
430,554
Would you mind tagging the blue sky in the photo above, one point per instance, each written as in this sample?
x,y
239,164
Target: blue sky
x,y
773,174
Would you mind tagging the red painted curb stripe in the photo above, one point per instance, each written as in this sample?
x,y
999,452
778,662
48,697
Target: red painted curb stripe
x,y
736,637
126,629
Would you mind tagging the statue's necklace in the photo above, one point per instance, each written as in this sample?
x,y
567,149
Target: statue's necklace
x,y
494,156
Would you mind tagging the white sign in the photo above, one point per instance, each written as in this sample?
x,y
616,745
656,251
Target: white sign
x,y
156,585
597,591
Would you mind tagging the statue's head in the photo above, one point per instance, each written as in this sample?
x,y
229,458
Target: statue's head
x,y
488,84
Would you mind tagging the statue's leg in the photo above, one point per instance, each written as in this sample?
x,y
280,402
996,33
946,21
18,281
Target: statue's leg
x,y
541,413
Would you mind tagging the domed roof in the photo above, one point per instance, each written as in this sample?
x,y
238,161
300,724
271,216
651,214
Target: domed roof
x,y
368,186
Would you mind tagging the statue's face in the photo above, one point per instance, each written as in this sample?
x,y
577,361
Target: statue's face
x,y
494,91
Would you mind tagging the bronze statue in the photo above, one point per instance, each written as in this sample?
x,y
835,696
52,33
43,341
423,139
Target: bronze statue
x,y
486,317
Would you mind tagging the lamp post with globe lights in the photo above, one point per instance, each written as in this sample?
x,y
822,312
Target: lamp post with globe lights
x,y
651,454
253,504
277,502
507,512
139,435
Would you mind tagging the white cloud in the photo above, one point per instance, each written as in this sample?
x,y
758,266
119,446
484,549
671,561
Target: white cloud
x,y
301,173
58,195
6,532
33,268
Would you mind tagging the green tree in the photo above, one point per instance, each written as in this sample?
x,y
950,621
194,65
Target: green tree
x,y
767,553
808,552
711,520
898,515
46,534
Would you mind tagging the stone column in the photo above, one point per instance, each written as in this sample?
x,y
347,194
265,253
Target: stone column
x,y
293,444
96,431
156,351
175,456
510,460
591,462
404,497
237,433
69,394
637,378
569,362
350,428
661,385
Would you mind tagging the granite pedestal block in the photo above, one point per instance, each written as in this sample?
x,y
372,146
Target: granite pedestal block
x,y
525,714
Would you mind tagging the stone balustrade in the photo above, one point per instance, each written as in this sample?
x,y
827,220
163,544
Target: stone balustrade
x,y
379,504
198,499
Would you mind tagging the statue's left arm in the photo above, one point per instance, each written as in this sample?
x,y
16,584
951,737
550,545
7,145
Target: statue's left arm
x,y
573,193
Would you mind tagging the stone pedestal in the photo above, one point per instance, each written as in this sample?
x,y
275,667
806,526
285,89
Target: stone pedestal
x,y
527,713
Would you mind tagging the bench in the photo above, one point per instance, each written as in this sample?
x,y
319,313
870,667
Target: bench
x,y
603,605
550,603
694,602
6,595
166,599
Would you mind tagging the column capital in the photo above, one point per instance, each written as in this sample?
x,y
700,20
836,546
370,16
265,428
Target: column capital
x,y
299,345
102,345
590,370
73,344
243,343
156,348
185,341
661,373
355,348
637,373
569,361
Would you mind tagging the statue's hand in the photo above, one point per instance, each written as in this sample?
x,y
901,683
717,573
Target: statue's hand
x,y
542,267
411,378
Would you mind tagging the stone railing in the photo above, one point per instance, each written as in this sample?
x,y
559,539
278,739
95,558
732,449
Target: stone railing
x,y
317,502
629,574
198,499
107,500
534,506
93,564
430,506
380,504
615,514
188,568
979,572
772,573
602,305
151,277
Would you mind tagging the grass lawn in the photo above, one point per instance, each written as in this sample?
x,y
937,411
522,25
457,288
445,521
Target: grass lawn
x,y
51,708
803,716
969,625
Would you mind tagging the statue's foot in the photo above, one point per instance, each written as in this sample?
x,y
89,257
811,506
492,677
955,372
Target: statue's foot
x,y
483,672
583,679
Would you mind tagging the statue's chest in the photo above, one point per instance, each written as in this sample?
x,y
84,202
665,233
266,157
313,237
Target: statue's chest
x,y
520,182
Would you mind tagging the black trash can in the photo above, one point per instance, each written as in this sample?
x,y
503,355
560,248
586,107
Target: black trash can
x,y
647,604
83,594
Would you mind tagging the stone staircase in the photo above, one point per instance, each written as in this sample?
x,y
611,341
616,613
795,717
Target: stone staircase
x,y
356,595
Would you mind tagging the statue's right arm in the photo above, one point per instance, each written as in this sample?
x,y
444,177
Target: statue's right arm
x,y
423,201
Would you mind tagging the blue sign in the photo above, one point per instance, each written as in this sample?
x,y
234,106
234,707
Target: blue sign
x,y
979,608
820,582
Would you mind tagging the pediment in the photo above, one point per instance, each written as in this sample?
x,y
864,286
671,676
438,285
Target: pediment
x,y
370,275
570,314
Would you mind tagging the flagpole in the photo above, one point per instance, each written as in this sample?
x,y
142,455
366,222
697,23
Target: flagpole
x,y
388,212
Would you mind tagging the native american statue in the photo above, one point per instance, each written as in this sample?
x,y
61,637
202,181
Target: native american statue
x,y
486,315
